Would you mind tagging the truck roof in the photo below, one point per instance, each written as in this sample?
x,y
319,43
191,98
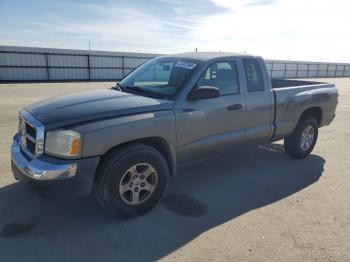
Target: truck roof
x,y
205,56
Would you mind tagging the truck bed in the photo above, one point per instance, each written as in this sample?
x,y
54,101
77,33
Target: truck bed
x,y
281,83
293,97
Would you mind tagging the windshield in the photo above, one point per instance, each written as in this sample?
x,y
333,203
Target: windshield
x,y
160,77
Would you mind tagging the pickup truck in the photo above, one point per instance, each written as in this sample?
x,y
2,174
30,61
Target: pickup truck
x,y
124,143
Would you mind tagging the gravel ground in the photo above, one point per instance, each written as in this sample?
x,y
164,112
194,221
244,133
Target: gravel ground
x,y
256,205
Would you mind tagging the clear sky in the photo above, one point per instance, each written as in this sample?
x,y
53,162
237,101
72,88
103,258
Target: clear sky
x,y
279,29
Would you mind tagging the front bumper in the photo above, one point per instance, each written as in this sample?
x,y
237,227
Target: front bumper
x,y
38,169
51,175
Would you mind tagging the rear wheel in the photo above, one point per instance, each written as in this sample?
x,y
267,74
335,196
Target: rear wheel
x,y
303,139
131,180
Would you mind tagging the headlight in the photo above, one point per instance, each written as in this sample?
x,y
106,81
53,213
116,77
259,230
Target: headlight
x,y
65,143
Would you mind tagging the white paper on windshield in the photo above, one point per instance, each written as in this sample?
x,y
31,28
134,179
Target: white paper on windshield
x,y
185,64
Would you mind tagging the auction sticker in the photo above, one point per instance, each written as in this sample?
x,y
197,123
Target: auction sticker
x,y
185,64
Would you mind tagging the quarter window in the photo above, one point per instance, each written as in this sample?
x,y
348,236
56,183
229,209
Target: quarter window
x,y
222,75
253,74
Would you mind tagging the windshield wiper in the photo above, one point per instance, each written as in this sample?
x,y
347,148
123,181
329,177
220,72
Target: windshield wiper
x,y
136,88
118,87
123,88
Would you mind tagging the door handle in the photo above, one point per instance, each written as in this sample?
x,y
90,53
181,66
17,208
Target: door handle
x,y
235,107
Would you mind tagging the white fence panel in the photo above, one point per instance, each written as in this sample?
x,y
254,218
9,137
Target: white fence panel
x,y
69,74
22,74
42,64
10,59
106,74
105,61
67,61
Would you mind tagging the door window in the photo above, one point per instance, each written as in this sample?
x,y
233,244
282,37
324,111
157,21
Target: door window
x,y
222,75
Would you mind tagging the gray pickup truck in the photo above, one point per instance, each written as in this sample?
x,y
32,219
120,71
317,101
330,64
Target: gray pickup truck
x,y
123,143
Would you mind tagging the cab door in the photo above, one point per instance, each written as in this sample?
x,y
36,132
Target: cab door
x,y
209,127
259,102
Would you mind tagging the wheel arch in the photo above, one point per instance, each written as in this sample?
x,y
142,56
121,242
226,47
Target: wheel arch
x,y
158,143
315,112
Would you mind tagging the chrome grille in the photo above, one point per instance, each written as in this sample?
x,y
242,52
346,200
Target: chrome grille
x,y
31,133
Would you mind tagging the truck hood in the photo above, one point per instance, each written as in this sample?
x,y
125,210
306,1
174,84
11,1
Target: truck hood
x,y
93,105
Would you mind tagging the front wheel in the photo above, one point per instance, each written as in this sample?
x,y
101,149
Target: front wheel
x,y
303,139
131,180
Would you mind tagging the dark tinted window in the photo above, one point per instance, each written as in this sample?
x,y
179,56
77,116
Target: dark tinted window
x,y
253,74
222,75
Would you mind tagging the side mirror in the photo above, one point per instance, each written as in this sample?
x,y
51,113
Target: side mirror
x,y
204,92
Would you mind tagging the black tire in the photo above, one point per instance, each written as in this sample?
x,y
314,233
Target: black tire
x,y
111,171
293,144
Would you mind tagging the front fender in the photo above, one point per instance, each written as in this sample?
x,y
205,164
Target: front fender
x,y
100,136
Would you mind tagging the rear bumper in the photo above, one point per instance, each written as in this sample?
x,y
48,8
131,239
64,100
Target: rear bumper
x,y
52,176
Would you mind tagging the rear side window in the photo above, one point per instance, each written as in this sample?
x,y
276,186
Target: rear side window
x,y
253,74
222,75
